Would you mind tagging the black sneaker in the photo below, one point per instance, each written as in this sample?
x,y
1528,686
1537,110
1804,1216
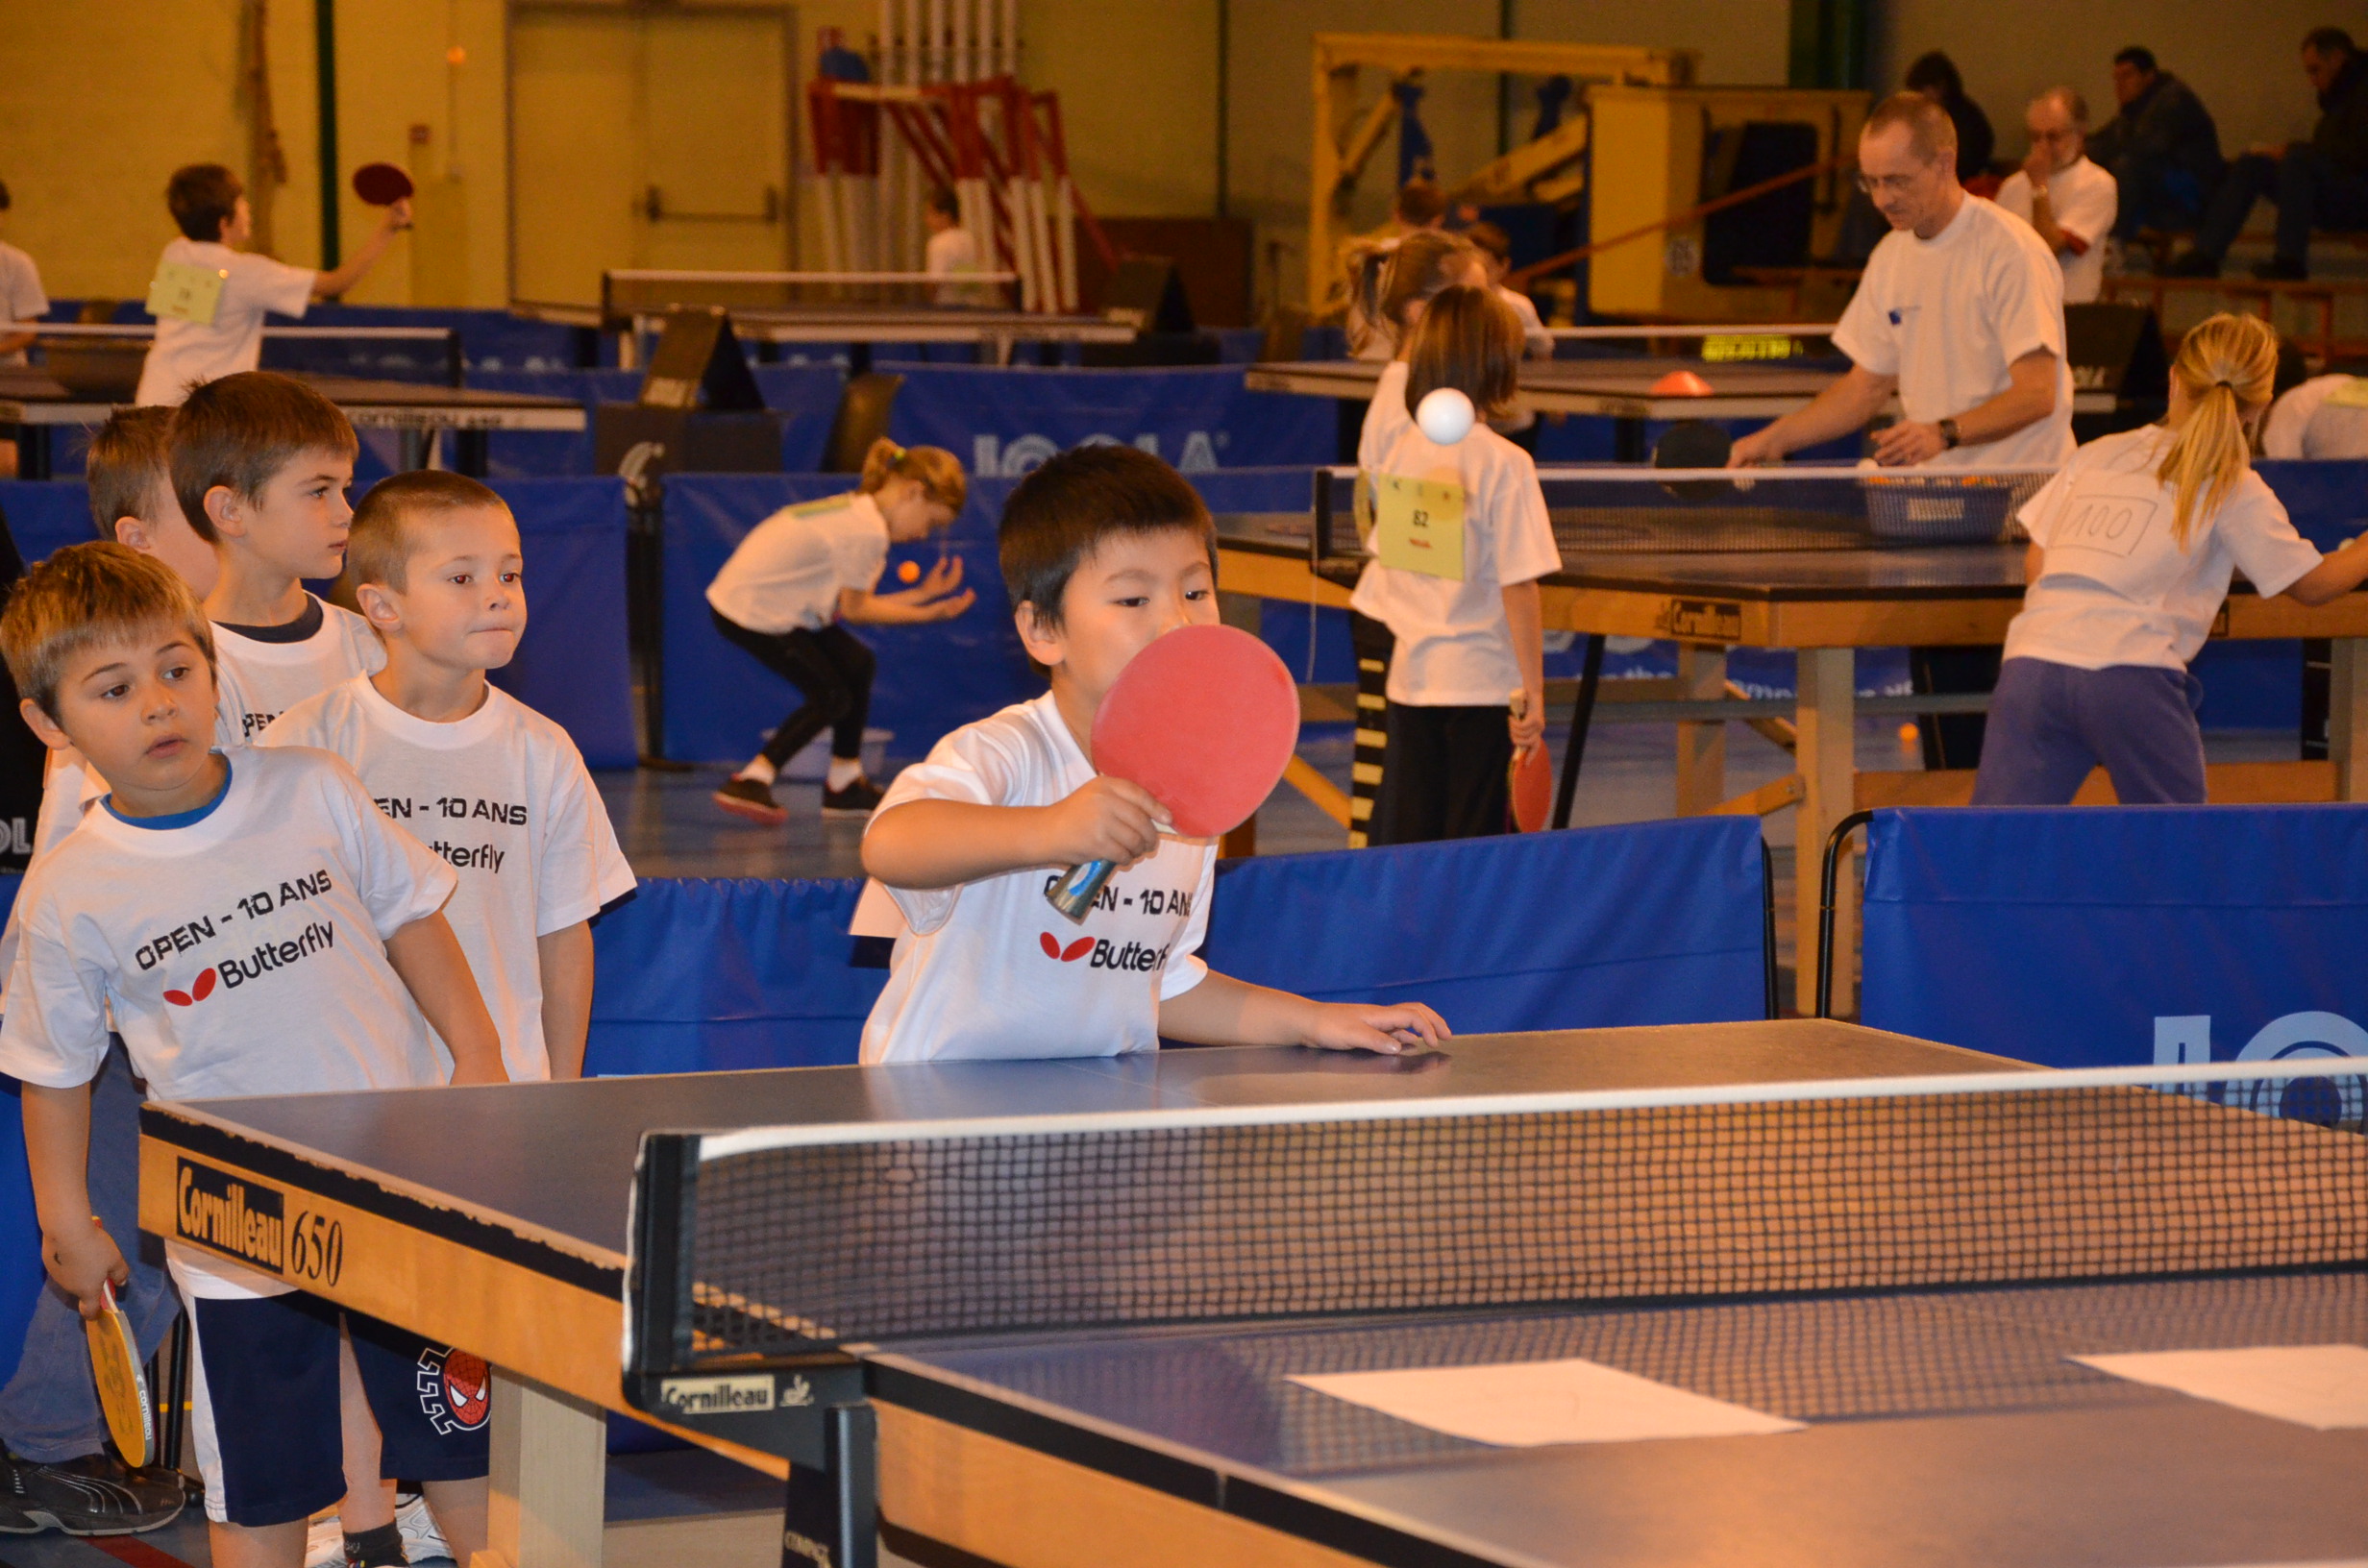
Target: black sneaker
x,y
2281,269
747,797
2193,264
860,799
95,1495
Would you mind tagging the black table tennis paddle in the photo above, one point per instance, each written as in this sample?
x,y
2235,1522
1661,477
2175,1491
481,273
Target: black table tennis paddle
x,y
1694,443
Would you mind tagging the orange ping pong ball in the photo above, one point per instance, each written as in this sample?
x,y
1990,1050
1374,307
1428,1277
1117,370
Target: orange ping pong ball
x,y
1680,383
909,571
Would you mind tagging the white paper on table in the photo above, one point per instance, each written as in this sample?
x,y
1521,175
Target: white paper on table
x,y
2323,1387
1525,1403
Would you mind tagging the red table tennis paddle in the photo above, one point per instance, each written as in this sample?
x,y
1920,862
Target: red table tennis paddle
x,y
382,184
1530,779
1207,719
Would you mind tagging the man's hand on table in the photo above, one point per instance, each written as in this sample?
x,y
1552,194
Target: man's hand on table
x,y
1908,442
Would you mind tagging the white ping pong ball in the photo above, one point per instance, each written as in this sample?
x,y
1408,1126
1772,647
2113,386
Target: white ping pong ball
x,y
1445,415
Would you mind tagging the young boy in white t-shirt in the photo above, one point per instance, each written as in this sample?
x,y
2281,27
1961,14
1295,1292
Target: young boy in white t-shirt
x,y
495,788
62,1474
261,463
211,298
253,926
1104,548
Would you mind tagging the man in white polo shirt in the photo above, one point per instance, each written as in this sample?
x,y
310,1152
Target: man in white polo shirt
x,y
2069,203
1961,312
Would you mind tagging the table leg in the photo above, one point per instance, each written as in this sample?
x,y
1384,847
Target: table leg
x,y
1701,746
550,1465
2347,715
1826,756
470,452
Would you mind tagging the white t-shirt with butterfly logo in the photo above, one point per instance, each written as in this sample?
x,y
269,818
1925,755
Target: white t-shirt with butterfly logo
x,y
2115,588
989,969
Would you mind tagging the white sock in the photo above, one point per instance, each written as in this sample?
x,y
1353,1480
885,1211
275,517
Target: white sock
x,y
761,771
844,770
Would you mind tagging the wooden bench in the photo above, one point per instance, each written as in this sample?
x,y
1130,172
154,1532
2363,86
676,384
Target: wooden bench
x,y
2262,296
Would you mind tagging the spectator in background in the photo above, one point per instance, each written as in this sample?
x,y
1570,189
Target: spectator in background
x,y
2319,183
1935,76
952,251
1420,205
2161,149
20,294
1496,247
2065,198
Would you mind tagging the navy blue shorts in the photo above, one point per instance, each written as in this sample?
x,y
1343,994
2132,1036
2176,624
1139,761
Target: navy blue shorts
x,y
264,1405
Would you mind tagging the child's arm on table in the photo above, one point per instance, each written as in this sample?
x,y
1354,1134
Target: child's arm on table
x,y
2336,575
566,958
428,957
1223,1011
1526,619
75,1247
942,844
934,599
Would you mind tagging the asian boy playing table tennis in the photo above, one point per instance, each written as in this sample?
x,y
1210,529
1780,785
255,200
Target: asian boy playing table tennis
x,y
254,925
1103,550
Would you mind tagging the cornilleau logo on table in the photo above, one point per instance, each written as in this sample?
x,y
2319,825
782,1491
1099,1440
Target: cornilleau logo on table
x,y
992,454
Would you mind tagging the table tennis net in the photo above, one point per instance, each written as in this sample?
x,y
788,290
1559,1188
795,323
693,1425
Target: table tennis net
x,y
1665,511
775,1245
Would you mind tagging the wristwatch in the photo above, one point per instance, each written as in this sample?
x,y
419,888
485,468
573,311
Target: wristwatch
x,y
1949,438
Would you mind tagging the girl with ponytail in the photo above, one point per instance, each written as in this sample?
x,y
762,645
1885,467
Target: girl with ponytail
x,y
807,569
1389,284
2132,549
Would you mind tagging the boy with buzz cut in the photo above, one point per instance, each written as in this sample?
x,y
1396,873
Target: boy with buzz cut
x,y
261,464
59,1473
494,787
1103,550
301,950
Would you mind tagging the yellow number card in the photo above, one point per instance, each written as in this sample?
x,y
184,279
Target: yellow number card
x,y
183,291
1419,525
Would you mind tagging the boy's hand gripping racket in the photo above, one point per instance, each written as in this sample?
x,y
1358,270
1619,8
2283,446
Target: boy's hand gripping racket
x,y
1205,719
114,1366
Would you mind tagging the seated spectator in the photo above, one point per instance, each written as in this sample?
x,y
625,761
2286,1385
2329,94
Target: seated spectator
x,y
2063,196
2162,149
1935,76
2319,183
2326,416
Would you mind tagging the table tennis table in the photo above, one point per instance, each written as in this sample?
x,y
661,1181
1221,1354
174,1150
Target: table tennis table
x,y
1636,575
37,404
1616,388
1048,1313
861,328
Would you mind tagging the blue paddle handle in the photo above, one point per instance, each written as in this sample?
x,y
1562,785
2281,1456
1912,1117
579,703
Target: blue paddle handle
x,y
1078,886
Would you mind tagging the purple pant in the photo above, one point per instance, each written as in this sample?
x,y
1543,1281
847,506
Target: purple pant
x,y
2049,723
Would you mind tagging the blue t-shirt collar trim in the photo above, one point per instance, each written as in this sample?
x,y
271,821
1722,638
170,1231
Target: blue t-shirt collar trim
x,y
179,819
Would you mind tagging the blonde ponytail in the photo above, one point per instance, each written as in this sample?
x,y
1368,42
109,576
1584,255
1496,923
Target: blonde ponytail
x,y
1384,277
2226,373
937,471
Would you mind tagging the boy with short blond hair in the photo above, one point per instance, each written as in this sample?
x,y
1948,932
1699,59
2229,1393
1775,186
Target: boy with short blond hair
x,y
59,1472
253,926
260,465
497,789
1103,550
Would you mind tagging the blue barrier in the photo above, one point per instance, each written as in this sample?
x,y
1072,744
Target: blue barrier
x,y
1007,421
707,974
572,664
1658,922
721,704
20,1228
2105,936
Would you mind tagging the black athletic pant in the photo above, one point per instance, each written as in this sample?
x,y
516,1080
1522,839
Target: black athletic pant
x,y
830,668
1445,777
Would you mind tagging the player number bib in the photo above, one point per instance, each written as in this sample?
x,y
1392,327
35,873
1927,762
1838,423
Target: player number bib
x,y
184,292
1419,525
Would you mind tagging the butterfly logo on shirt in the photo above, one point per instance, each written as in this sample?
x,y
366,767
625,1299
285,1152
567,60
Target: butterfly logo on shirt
x,y
1069,954
196,994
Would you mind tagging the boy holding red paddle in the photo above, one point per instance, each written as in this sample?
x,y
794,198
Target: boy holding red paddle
x,y
1104,550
